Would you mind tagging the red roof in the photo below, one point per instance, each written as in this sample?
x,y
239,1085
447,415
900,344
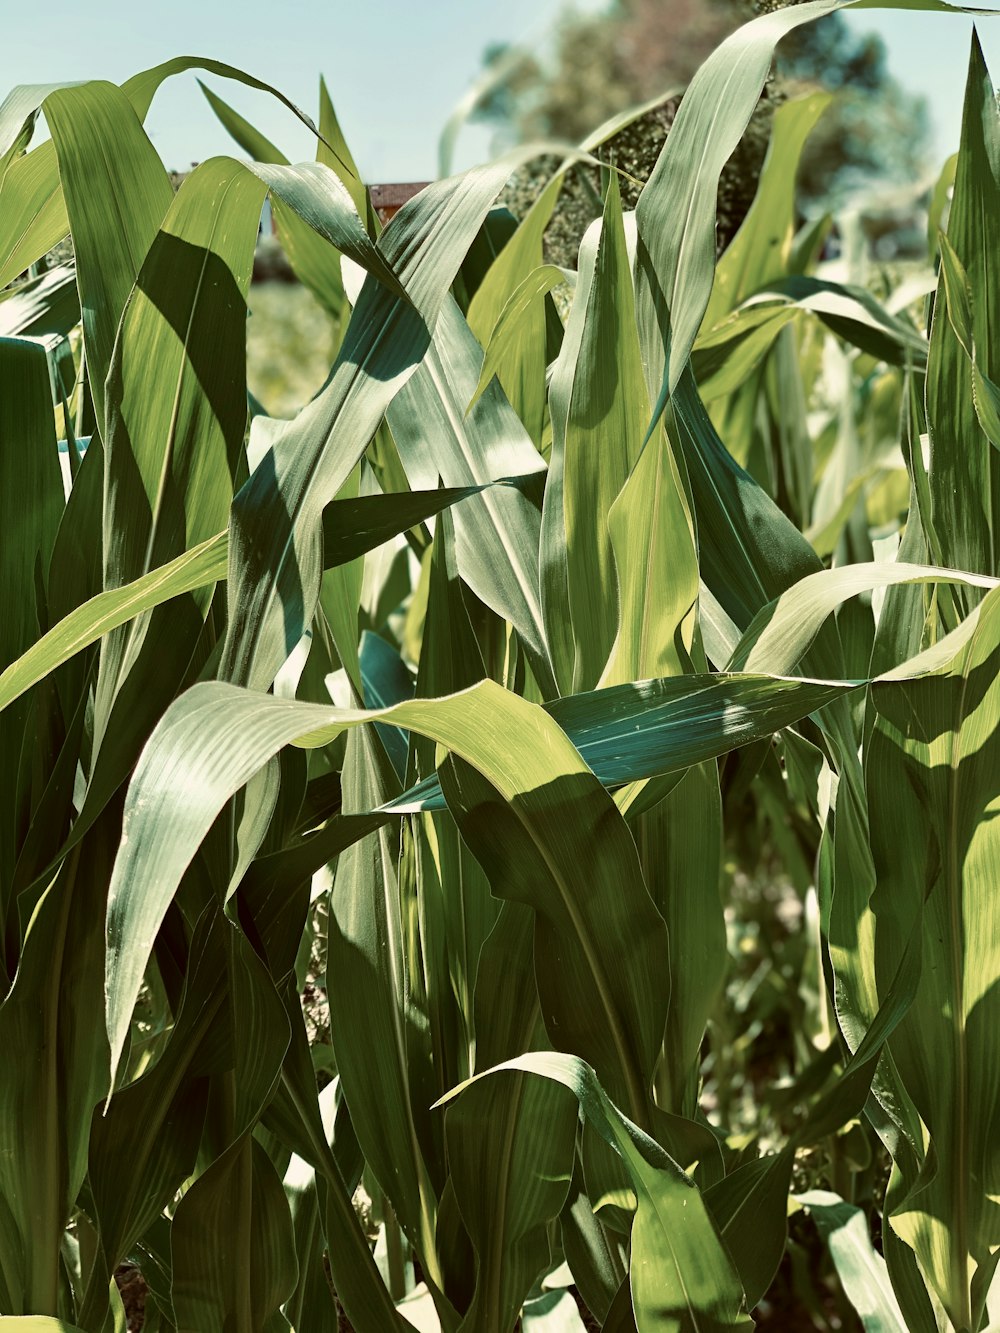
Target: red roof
x,y
389,199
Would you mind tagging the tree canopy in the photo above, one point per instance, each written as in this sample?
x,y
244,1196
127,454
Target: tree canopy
x,y
603,63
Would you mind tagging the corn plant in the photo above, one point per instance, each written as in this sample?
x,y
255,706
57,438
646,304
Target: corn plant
x,y
378,779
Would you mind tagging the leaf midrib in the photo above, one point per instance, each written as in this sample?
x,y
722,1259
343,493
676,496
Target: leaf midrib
x,y
637,1096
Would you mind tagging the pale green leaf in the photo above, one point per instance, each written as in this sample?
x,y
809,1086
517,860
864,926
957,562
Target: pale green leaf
x,y
509,330
861,1269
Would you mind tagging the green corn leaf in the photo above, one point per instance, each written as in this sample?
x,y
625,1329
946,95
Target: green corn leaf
x,y
36,1323
386,680
650,529
750,1204
232,1245
726,356
31,200
497,532
309,252
676,210
33,211
861,1270
351,528
141,88
682,1279
462,723
59,1064
582,949
940,199
161,1133
930,759
274,578
552,1312
44,1156
197,568
29,465
598,411
557,882
620,1317
680,836
782,634
172,442
19,108
646,729
304,1121
367,958
312,194
727,353
46,304
499,228
145,1145
516,1194
512,1180
853,314
333,152
253,143
310,1304
523,379
103,152
749,551
958,293
508,335
650,532
749,1207
986,396
596,1255
760,250
963,465
359,1286
175,439
458,912
190,302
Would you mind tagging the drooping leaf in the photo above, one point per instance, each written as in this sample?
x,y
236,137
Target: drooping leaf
x,y
274,578
197,568
646,729
860,1267
682,1279
676,210
782,634
496,532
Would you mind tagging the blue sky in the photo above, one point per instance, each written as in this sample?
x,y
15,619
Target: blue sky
x,y
395,68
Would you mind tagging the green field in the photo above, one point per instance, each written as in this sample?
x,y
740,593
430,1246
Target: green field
x,y
500,757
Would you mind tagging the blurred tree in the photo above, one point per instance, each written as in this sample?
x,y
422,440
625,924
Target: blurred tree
x,y
875,128
606,62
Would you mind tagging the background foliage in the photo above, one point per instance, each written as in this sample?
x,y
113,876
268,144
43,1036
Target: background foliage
x,y
873,134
